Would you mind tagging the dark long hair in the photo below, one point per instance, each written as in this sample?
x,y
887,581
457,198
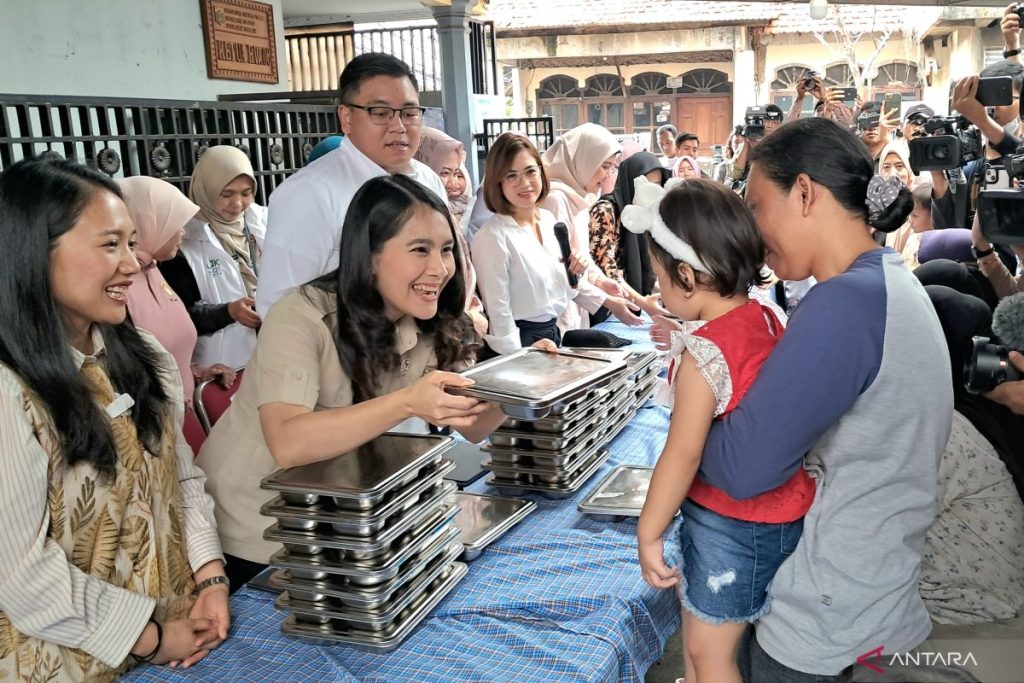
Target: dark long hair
x,y
832,157
39,202
365,337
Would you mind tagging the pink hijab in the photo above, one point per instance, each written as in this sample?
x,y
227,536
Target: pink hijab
x,y
677,172
158,209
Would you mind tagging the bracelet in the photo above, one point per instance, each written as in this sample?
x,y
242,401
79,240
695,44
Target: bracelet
x,y
145,659
212,581
1011,53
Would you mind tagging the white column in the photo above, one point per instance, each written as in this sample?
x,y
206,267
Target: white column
x,y
744,89
456,69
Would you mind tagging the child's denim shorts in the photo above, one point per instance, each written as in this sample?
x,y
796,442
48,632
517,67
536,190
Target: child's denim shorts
x,y
728,564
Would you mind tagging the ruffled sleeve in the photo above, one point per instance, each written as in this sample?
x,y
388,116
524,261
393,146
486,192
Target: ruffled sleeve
x,y
710,362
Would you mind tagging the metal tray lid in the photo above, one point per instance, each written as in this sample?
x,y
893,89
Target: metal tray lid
x,y
484,519
622,492
373,467
534,377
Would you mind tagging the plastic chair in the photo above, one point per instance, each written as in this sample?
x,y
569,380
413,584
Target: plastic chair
x,y
195,435
212,399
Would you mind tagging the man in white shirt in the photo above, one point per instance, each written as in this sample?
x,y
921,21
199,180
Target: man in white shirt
x,y
381,118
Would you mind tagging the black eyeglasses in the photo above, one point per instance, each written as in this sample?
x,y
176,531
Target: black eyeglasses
x,y
382,116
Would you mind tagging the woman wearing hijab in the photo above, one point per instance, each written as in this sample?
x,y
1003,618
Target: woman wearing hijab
x,y
444,155
576,165
619,254
215,273
159,212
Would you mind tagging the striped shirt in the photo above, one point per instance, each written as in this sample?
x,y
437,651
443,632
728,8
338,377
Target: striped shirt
x,y
41,592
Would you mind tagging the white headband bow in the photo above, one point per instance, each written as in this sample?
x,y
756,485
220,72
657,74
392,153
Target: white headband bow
x,y
643,216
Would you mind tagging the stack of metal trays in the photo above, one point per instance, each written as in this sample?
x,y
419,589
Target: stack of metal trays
x,y
532,384
558,453
369,540
620,494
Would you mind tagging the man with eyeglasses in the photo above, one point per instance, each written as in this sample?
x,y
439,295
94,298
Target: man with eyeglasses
x,y
381,119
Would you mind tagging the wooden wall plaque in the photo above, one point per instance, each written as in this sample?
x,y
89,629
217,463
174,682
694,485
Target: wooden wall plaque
x,y
240,41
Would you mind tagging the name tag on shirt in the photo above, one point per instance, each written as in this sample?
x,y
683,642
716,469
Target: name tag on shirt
x,y
120,405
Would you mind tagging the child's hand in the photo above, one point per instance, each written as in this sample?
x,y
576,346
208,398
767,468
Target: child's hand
x,y
661,332
656,573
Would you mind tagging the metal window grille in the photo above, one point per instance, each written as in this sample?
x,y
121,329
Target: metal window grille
x,y
162,138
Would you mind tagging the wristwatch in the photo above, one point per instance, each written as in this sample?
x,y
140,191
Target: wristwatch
x,y
982,253
1011,53
212,581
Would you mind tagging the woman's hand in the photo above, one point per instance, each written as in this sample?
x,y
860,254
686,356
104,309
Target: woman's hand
x,y
661,332
578,263
656,573
243,312
212,605
623,310
651,305
183,639
427,399
545,345
225,374
611,287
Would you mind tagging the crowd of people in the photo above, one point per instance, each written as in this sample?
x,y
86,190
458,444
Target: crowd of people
x,y
819,426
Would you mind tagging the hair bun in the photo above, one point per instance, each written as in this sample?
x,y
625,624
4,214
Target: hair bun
x,y
895,213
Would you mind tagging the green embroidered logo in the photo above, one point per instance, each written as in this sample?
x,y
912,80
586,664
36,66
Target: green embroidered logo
x,y
214,267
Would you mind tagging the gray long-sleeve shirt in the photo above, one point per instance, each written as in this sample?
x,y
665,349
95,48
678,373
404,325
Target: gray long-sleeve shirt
x,y
860,383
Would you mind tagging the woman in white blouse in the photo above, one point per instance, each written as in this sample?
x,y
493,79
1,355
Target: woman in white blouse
x,y
520,275
108,546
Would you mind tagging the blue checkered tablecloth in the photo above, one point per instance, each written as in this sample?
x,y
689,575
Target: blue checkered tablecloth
x,y
558,598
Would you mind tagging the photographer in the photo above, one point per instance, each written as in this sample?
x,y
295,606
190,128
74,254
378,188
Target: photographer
x,y
992,278
756,128
955,207
873,126
830,104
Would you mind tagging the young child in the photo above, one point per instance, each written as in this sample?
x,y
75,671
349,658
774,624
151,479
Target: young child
x,y
707,254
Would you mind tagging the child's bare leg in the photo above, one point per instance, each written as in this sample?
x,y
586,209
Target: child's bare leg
x,y
709,650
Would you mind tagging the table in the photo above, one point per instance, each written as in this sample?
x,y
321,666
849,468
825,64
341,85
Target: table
x,y
558,598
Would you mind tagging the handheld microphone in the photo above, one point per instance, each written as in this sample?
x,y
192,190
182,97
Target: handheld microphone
x,y
562,236
1008,321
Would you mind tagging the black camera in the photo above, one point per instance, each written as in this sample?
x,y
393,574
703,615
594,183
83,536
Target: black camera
x,y
753,123
951,142
988,367
1019,11
1001,211
809,79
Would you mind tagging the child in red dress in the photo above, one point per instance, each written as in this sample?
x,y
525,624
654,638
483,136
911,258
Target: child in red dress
x,y
707,254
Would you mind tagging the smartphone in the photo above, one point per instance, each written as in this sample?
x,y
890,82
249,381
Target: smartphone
x,y
848,94
892,103
996,91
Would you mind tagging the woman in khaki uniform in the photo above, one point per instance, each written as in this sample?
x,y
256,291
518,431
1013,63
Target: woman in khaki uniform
x,y
347,357
108,546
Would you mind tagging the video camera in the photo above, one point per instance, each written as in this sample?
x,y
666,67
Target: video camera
x,y
989,364
1001,211
753,121
947,142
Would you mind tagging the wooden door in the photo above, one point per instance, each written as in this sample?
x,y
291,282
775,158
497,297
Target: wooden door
x,y
709,117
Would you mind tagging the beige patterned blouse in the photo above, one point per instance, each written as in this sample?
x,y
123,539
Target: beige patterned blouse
x,y
85,562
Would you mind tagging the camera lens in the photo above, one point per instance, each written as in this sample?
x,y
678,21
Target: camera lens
x,y
941,153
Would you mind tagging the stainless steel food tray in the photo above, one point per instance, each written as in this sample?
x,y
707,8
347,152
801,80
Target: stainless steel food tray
x,y
386,639
336,565
508,438
620,494
314,543
484,519
557,424
554,490
531,383
361,523
366,599
564,459
371,620
363,478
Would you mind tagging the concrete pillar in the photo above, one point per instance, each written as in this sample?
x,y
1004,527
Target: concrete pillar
x,y
744,83
457,77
